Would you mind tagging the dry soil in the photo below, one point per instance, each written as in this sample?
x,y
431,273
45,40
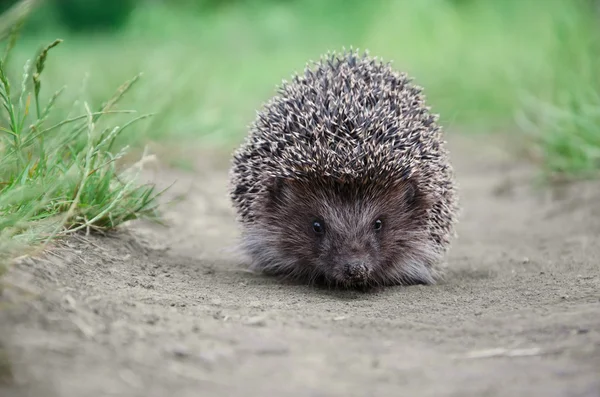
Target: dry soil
x,y
153,311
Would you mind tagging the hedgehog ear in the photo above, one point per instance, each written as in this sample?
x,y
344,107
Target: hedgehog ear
x,y
411,195
276,188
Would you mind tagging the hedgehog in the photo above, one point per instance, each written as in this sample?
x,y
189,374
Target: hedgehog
x,y
344,179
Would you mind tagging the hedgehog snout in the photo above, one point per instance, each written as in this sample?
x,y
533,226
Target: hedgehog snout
x,y
356,270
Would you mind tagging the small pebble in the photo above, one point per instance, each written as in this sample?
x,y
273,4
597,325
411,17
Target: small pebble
x,y
180,351
207,358
130,378
256,321
70,303
255,304
152,319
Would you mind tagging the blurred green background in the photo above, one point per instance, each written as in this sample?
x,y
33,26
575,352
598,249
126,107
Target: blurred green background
x,y
527,67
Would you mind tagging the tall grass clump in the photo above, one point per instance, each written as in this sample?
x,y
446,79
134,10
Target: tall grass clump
x,y
62,177
564,118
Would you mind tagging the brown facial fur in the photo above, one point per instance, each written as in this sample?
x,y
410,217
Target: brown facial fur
x,y
351,250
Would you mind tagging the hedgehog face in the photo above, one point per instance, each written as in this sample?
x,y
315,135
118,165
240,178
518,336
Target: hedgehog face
x,y
343,234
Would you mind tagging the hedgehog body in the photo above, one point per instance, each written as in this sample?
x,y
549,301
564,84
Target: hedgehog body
x,y
344,178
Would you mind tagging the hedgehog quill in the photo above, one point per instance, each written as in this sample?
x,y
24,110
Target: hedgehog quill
x,y
344,179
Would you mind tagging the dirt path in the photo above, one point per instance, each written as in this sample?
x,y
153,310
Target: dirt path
x,y
167,312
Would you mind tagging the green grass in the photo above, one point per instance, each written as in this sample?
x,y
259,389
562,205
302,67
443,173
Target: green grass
x,y
58,162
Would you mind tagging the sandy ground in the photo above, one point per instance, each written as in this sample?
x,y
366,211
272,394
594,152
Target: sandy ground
x,y
168,312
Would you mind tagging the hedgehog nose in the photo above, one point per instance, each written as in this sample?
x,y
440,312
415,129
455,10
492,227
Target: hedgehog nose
x,y
356,270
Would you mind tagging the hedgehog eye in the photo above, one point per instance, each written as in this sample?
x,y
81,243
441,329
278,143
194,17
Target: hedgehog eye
x,y
318,227
377,225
